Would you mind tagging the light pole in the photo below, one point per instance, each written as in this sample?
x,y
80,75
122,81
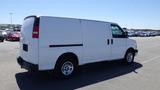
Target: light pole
x,y
11,17
11,20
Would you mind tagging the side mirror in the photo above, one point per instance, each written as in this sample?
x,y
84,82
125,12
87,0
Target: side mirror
x,y
126,34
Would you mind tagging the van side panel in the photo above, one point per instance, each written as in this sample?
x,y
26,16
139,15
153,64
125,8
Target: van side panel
x,y
58,36
95,35
31,55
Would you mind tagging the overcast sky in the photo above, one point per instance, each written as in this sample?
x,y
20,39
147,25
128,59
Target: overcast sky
x,y
127,13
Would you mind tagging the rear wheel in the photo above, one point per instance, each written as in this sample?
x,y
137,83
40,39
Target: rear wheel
x,y
66,67
129,57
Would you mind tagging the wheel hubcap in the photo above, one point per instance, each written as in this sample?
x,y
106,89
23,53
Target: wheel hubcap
x,y
130,57
67,68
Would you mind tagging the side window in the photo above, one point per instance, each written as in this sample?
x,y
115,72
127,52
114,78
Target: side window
x,y
117,32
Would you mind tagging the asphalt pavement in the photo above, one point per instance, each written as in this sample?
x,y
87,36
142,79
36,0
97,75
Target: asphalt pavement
x,y
143,74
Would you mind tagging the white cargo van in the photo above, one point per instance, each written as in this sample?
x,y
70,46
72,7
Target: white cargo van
x,y
62,44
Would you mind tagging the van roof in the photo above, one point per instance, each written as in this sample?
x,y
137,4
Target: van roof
x,y
72,18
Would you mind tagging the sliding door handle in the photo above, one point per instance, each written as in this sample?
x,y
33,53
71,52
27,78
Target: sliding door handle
x,y
108,41
111,41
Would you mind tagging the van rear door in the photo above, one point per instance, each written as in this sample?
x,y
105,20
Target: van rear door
x,y
29,39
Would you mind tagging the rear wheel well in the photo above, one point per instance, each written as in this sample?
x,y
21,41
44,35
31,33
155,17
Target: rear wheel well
x,y
68,55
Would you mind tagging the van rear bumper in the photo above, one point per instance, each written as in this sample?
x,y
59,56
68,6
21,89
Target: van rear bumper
x,y
27,65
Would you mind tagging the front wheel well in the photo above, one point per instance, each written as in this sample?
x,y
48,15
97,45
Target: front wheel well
x,y
130,49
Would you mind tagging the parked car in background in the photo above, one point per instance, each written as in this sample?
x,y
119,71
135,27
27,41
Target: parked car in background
x,y
4,33
2,37
8,31
131,34
153,33
13,36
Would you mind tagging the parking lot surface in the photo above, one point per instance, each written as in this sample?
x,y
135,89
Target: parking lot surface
x,y
142,75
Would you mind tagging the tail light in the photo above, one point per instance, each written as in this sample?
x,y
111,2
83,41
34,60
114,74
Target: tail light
x,y
35,33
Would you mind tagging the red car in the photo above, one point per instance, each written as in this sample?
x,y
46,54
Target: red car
x,y
13,36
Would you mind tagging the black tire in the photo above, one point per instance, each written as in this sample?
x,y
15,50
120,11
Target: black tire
x,y
129,57
2,40
65,67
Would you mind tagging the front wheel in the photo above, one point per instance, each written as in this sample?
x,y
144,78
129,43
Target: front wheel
x,y
129,57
